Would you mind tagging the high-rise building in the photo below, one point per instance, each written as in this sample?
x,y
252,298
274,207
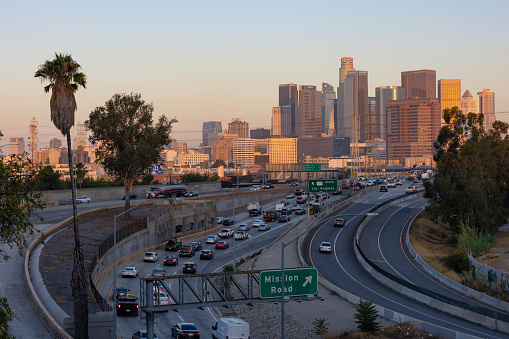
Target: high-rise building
x,y
346,66
382,95
210,131
322,147
449,93
223,147
281,120
420,84
308,114
179,146
239,127
288,97
259,133
328,97
413,128
486,106
55,143
355,105
282,150
243,152
467,103
17,146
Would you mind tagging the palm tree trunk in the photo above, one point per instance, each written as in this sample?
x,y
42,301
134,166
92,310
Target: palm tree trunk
x,y
78,277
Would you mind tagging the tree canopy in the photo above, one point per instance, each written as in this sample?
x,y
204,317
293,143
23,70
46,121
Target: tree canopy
x,y
128,139
472,171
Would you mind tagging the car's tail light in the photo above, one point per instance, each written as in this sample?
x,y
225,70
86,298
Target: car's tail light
x,y
118,306
137,306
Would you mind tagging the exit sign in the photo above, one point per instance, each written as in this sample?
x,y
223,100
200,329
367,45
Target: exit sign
x,y
312,167
299,281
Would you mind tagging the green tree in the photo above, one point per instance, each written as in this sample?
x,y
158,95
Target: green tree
x,y
19,203
48,179
81,172
470,183
147,179
366,316
129,141
320,326
65,77
193,177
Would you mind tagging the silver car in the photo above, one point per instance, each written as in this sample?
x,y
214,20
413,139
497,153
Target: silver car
x,y
325,247
151,256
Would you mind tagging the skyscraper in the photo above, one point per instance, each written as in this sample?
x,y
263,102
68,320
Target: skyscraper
x,y
282,150
288,97
328,96
281,120
55,143
420,84
210,131
355,105
17,146
414,126
449,93
240,127
223,147
308,114
243,152
382,95
486,106
346,66
467,103
259,133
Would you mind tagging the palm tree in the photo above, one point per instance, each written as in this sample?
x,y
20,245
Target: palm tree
x,y
81,172
64,77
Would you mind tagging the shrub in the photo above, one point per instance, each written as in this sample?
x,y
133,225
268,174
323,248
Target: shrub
x,y
320,326
366,316
457,260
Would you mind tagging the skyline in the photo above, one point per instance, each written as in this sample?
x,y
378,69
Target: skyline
x,y
208,62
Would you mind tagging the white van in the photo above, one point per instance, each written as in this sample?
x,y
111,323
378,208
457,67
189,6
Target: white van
x,y
230,328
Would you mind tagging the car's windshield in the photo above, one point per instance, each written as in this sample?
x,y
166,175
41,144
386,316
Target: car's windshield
x,y
188,327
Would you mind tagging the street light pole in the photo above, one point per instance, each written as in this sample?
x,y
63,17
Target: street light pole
x,y
233,218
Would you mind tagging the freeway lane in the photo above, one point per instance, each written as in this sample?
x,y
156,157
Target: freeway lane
x,y
342,269
384,244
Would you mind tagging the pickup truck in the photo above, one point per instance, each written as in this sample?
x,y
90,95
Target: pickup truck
x,y
127,304
240,235
410,190
173,245
226,233
187,251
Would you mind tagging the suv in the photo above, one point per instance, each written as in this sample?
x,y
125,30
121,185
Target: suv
x,y
383,188
187,251
173,245
127,304
226,233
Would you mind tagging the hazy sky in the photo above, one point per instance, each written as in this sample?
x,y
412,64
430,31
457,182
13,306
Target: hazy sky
x,y
217,60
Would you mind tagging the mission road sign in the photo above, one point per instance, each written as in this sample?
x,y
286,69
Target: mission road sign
x,y
299,281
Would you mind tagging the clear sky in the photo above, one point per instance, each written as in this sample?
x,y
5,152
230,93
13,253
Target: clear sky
x,y
217,60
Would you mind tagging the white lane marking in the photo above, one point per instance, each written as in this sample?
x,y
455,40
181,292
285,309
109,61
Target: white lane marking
x,y
397,303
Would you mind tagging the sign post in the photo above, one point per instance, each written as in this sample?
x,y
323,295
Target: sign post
x,y
322,185
299,281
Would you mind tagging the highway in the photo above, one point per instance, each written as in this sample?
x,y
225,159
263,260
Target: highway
x,y
342,269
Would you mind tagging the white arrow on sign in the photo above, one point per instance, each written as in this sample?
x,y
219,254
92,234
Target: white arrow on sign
x,y
308,281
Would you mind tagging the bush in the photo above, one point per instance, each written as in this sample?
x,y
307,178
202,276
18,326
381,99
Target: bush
x,y
366,316
320,326
473,240
457,260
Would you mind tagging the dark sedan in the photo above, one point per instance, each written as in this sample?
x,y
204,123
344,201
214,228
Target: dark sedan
x,y
206,254
132,195
185,330
171,261
284,218
228,221
189,267
339,222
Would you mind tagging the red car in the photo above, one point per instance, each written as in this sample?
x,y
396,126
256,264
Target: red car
x,y
222,244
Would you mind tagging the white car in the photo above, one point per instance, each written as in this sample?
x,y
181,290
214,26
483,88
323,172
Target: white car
x,y
325,247
82,200
151,256
161,298
240,235
263,227
391,184
130,272
212,239
244,227
290,195
255,188
410,190
219,220
257,223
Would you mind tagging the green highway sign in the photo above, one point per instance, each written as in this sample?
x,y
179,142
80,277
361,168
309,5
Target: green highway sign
x,y
312,167
322,185
298,281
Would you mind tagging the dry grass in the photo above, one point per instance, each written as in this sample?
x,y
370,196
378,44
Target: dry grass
x,y
404,330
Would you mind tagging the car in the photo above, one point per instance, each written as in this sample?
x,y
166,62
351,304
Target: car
x,y
211,239
284,202
185,330
399,183
294,207
130,272
121,291
189,267
171,260
383,188
244,227
221,244
206,254
197,245
284,218
300,211
410,190
151,256
187,251
257,223
340,222
228,221
132,195
219,220
82,200
325,247
360,185
370,183
415,181
300,200
290,195
263,227
391,184
293,184
142,334
158,272
173,245
255,188
191,194
161,298
127,304
338,192
268,186
240,235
